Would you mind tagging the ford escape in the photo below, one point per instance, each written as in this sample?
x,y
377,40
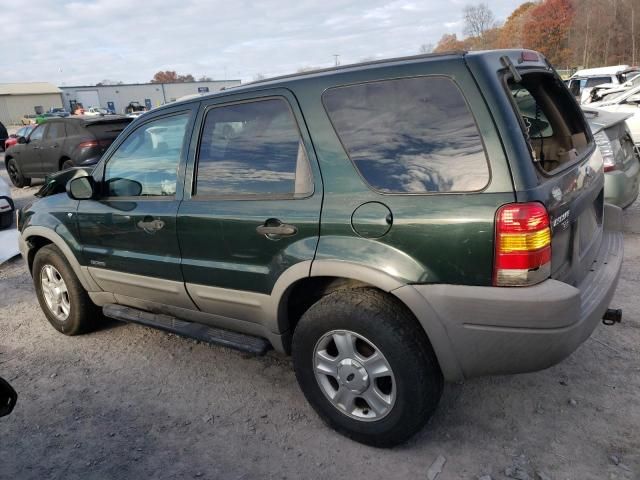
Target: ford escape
x,y
392,225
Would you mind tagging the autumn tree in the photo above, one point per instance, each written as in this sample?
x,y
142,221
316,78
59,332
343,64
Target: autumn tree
x,y
448,42
170,76
547,30
511,32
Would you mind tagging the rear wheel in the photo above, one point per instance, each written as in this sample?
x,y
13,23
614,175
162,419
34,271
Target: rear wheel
x,y
15,174
366,366
62,298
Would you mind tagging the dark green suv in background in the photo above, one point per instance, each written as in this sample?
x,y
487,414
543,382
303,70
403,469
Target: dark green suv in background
x,y
391,225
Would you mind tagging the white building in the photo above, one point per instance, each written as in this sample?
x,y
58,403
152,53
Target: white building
x,y
152,95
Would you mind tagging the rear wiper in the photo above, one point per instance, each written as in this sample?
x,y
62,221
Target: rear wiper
x,y
508,64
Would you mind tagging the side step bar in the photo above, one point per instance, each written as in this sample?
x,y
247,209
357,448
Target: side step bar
x,y
226,338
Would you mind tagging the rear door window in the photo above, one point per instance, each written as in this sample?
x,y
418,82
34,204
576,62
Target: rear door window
x,y
410,135
252,149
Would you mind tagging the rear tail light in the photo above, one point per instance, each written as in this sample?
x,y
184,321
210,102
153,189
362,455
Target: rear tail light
x,y
95,143
522,245
604,144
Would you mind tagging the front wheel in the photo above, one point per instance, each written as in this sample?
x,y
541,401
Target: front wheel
x,y
62,298
15,174
366,366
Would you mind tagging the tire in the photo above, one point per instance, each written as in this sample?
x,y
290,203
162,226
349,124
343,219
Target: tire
x,y
6,219
412,386
15,174
82,314
67,164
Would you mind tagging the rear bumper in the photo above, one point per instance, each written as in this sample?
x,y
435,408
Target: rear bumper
x,y
492,330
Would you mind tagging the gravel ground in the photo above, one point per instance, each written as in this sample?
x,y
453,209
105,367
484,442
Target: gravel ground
x,y
132,402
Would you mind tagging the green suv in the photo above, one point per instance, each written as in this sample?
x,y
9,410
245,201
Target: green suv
x,y
392,225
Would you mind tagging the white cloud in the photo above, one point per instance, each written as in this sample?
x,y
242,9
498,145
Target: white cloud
x,y
83,42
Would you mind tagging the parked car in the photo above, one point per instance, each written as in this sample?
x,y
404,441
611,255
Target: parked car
x,y
61,143
60,112
584,80
13,138
624,102
3,135
43,117
95,111
6,205
458,229
621,156
28,119
134,107
135,114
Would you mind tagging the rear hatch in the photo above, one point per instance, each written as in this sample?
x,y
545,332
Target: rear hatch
x,y
105,131
564,163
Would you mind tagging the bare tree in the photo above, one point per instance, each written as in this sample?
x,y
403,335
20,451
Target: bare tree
x,y
427,48
258,76
478,19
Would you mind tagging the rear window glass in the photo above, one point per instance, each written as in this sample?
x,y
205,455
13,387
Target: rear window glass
x,y
412,135
595,81
108,130
553,124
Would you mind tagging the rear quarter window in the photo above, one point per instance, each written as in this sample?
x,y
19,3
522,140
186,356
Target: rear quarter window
x,y
410,136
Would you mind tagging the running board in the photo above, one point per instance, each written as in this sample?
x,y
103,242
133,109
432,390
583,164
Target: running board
x,y
197,331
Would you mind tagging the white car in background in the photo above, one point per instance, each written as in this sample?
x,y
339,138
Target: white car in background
x,y
624,102
95,111
6,205
581,82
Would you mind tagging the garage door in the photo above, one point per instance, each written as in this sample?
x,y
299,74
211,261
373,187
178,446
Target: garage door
x,y
88,98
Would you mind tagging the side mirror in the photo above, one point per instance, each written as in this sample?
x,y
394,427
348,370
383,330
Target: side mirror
x,y
8,398
81,188
23,140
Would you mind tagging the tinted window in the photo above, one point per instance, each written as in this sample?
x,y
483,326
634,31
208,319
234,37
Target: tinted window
x,y
412,135
146,163
37,133
108,130
252,149
56,130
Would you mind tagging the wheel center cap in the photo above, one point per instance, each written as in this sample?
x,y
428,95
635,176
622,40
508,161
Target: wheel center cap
x,y
353,375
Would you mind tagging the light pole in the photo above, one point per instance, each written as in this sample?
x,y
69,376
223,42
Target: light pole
x,y
336,56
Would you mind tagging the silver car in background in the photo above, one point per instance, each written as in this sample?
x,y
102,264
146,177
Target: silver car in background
x,y
620,154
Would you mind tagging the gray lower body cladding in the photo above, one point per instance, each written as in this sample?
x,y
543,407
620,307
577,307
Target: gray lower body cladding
x,y
492,330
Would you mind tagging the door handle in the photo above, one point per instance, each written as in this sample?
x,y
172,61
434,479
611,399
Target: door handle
x,y
150,224
274,229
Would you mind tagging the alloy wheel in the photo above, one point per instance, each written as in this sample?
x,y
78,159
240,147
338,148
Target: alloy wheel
x,y
55,292
354,375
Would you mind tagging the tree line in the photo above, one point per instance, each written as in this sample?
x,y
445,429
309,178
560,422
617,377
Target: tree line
x,y
570,33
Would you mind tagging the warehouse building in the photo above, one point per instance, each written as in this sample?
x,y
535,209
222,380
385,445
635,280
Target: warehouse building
x,y
20,99
117,97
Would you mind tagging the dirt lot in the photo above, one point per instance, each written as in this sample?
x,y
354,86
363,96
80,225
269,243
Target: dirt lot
x,y
131,402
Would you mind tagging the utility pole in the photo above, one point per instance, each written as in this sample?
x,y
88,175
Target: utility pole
x,y
336,56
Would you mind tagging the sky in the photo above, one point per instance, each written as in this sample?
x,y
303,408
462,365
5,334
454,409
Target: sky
x,y
83,42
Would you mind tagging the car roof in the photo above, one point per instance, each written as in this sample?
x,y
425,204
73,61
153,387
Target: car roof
x,y
321,72
90,119
603,71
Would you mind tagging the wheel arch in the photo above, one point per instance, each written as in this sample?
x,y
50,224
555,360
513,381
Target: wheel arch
x,y
36,237
304,284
